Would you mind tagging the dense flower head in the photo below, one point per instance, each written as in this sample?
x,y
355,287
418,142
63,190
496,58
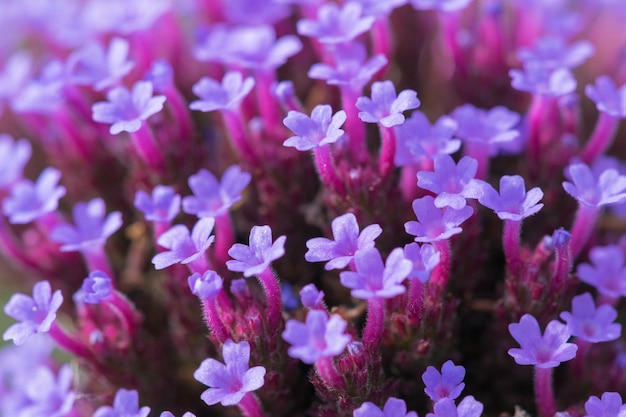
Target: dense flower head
x,y
594,189
336,24
424,258
96,287
322,128
591,324
513,202
394,407
231,380
162,205
486,127
468,407
226,95
206,286
434,223
608,98
35,314
453,183
14,154
543,351
212,198
347,241
125,404
606,272
385,106
609,405
417,138
318,337
445,384
183,247
255,258
553,52
537,79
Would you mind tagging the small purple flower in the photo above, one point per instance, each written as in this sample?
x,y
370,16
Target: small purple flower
x,y
161,75
14,76
609,187
96,287
45,94
184,248
49,395
256,258
417,138
336,24
125,404
35,314
608,98
538,79
486,127
434,223
552,52
126,110
385,107
29,201
379,8
513,202
161,206
205,286
609,406
591,324
607,274
92,229
312,297
441,5
212,199
373,279
230,381
348,240
447,384
319,337
543,351
424,259
394,407
14,154
452,183
322,128
255,12
468,407
225,96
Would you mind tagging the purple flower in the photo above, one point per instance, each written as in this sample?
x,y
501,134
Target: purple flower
x,y
609,187
91,230
35,314
230,381
543,351
394,407
373,279
161,75
468,407
14,154
162,206
212,199
591,324
513,202
552,52
182,247
434,223
379,8
424,259
29,201
609,406
447,384
322,128
49,395
256,258
121,16
126,110
14,77
125,404
225,96
45,94
452,183
441,5
255,12
352,69
319,337
486,127
96,287
608,98
335,24
417,138
607,274
312,297
348,240
92,65
205,286
385,107
538,79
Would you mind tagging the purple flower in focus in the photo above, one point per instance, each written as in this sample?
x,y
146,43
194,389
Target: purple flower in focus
x,y
29,201
538,79
35,314
452,183
373,279
609,406
424,259
225,96
609,187
552,52
336,24
543,351
256,258
607,274
312,297
418,139
608,98
230,381
205,286
486,127
49,395
322,128
319,337
126,110
385,107
162,206
447,384
394,407
513,202
591,324
348,240
91,230
125,404
182,247
468,407
441,5
96,287
434,223
212,199
14,154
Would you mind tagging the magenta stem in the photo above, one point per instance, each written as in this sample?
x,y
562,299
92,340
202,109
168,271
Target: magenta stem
x,y
325,368
70,344
563,266
601,138
250,406
274,299
224,238
199,265
415,304
373,331
146,146
441,273
381,37
159,229
512,247
536,114
583,226
123,305
327,171
480,152
386,162
579,361
544,394
180,111
213,322
354,127
266,102
236,129
96,260
408,182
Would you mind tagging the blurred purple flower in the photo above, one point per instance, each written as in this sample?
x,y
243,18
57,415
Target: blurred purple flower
x,y
225,96
394,407
14,76
608,98
96,287
609,187
212,199
424,259
552,52
125,404
610,405
447,384
255,12
49,395
205,286
312,297
538,79
486,127
378,8
14,154
44,94
256,258
441,5
322,128
161,206
434,223
591,324
385,107
336,24
182,247
453,183
468,407
161,75
607,274
513,202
